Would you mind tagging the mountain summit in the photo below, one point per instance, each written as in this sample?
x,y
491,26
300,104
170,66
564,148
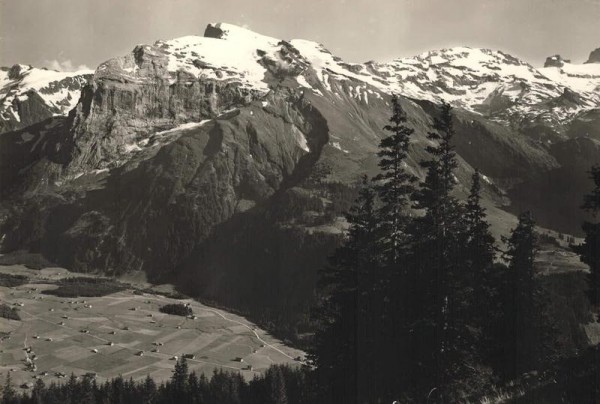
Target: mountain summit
x,y
491,83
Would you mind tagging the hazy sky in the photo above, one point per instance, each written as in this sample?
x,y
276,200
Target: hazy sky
x,y
70,33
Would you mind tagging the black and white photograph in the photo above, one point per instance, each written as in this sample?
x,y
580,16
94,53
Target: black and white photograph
x,y
299,202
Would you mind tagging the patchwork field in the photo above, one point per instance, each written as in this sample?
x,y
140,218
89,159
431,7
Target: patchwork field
x,y
123,334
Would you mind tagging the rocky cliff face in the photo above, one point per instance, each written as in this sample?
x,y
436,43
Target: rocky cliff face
x,y
158,87
169,201
117,112
225,162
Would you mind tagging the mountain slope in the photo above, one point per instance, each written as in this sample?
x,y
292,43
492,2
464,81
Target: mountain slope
x,y
225,162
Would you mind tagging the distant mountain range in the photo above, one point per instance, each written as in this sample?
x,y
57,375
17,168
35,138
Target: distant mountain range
x,y
225,162
493,83
30,95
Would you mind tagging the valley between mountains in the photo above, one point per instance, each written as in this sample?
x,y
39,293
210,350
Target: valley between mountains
x,y
223,163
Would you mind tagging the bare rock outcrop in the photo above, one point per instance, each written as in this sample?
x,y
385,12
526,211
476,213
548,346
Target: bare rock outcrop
x,y
594,56
555,61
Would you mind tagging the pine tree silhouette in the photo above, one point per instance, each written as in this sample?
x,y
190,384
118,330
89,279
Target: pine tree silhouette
x,y
347,285
395,183
589,250
522,325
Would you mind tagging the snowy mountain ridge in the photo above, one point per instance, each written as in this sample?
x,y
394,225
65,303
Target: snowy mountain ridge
x,y
29,95
491,83
488,82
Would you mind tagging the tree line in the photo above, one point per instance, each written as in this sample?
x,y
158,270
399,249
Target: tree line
x,y
278,385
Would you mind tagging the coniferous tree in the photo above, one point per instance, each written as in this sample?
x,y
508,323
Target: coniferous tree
x,y
439,268
589,251
395,186
149,393
395,183
522,323
193,387
298,384
276,391
225,388
85,392
203,389
117,390
480,242
179,381
482,305
359,351
347,287
72,390
440,180
9,395
37,394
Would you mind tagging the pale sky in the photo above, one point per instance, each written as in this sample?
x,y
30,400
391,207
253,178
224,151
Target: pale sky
x,y
70,33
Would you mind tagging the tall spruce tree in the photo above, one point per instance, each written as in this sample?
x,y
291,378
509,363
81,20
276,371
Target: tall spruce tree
x,y
522,315
438,240
481,303
479,253
440,180
395,186
346,286
480,242
395,183
589,251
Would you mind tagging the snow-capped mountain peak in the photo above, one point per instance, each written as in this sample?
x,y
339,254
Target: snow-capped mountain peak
x,y
26,90
225,53
483,81
493,82
238,34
